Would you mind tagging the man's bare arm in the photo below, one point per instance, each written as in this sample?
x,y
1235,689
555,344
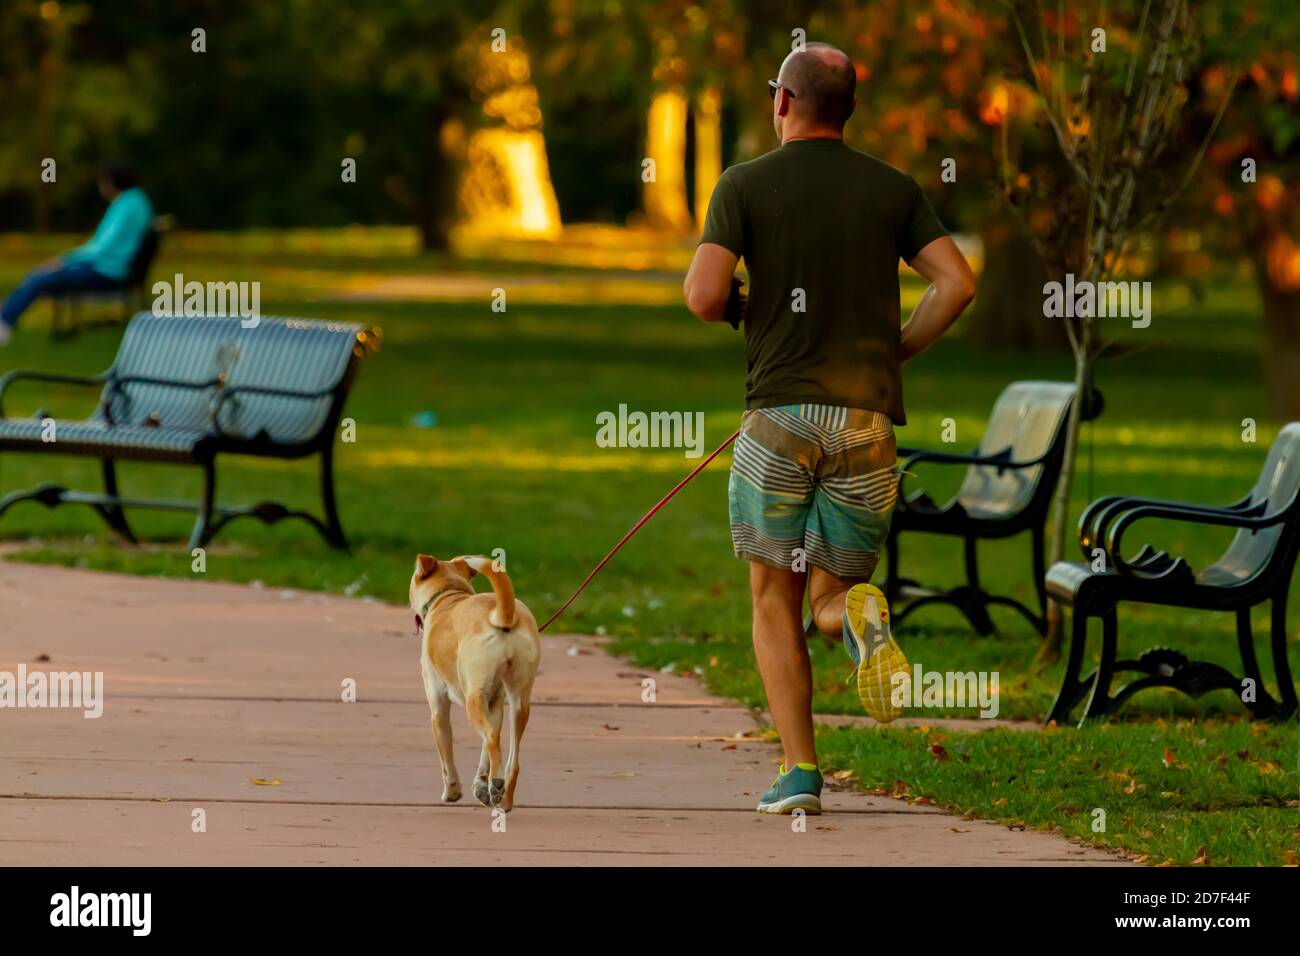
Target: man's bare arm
x,y
708,281
952,286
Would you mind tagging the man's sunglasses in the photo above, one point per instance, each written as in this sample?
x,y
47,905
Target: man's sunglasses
x,y
774,85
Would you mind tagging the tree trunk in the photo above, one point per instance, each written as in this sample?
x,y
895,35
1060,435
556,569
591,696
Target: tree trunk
x,y
434,205
1049,650
665,193
708,149
1008,309
1279,292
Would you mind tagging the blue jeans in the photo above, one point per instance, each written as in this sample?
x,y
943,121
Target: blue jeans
x,y
71,278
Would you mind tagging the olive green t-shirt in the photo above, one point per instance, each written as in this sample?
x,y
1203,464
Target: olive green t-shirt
x,y
821,228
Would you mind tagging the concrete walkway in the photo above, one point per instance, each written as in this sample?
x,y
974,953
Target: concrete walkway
x,y
227,699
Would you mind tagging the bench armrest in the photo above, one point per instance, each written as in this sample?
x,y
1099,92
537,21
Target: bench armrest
x,y
32,375
115,385
1227,519
225,394
118,382
1000,460
1101,512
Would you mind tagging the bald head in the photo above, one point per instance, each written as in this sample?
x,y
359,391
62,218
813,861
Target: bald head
x,y
823,81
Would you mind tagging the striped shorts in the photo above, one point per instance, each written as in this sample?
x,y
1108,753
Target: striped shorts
x,y
813,485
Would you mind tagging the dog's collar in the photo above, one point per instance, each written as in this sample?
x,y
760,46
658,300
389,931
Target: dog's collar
x,y
428,605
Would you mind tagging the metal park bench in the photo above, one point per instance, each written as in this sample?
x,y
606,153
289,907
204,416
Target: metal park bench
x,y
1256,568
1007,489
130,297
185,390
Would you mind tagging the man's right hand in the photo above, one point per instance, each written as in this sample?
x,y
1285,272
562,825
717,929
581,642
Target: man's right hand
x,y
737,303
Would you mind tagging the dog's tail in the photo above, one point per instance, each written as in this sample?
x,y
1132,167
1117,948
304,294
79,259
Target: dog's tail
x,y
503,615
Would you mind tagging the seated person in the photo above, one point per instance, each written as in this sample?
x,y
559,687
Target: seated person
x,y
103,263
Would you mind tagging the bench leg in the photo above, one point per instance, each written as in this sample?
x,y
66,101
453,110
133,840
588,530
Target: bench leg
x,y
1072,689
334,529
113,514
203,529
1040,580
1099,702
56,317
973,603
1281,666
1246,647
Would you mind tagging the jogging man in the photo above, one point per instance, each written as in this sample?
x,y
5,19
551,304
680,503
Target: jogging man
x,y
821,228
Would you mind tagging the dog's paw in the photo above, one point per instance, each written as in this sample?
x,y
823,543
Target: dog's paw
x,y
481,793
497,791
451,793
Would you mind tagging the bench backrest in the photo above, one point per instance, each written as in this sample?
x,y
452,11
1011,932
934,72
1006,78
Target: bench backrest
x,y
1279,482
1030,419
292,354
143,259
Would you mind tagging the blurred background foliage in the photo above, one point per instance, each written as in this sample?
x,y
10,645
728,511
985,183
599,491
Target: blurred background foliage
x,y
251,133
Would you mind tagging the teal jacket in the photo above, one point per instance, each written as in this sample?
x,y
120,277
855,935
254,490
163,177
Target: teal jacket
x,y
118,236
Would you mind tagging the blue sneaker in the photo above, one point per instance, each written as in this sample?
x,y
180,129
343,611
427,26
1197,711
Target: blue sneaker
x,y
797,789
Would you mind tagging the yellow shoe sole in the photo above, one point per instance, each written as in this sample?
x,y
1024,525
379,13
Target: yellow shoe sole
x,y
881,658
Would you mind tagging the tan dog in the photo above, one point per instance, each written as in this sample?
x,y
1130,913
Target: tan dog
x,y
482,651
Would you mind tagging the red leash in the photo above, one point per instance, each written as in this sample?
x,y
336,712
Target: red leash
x,y
637,527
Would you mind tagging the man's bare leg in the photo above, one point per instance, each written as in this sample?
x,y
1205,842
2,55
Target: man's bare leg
x,y
826,598
782,656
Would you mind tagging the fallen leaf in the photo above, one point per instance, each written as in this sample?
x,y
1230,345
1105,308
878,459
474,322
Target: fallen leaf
x,y
939,753
260,782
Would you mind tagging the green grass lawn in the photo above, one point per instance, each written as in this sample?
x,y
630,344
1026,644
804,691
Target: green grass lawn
x,y
512,463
